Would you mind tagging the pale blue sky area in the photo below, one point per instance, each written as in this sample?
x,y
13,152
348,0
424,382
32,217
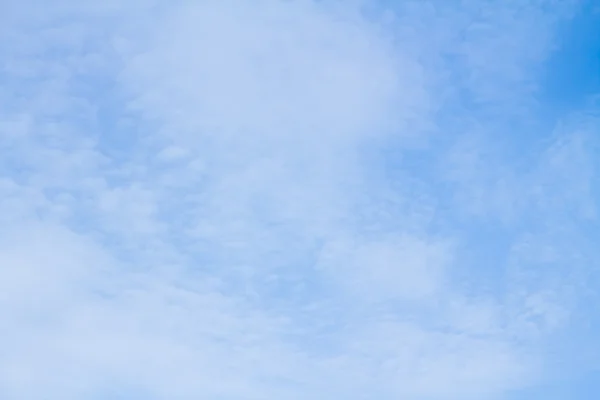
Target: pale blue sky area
x,y
299,199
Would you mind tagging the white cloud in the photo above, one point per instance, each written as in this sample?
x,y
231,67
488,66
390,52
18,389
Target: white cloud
x,y
405,267
282,199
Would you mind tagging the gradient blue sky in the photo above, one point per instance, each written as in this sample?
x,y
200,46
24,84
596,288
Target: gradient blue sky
x,y
299,199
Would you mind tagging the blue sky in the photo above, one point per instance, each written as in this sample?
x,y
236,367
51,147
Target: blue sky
x,y
299,199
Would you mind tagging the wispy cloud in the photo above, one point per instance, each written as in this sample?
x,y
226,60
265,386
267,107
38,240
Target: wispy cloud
x,y
288,199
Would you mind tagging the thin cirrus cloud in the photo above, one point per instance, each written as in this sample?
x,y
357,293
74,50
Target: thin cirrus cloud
x,y
291,199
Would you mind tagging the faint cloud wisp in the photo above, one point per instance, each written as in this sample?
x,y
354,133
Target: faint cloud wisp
x,y
287,199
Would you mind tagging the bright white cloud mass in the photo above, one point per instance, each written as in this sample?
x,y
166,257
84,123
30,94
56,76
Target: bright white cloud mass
x,y
292,199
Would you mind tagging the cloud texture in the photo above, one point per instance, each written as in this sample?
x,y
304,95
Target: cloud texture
x,y
290,200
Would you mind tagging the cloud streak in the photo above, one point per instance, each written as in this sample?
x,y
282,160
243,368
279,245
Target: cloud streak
x,y
288,199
